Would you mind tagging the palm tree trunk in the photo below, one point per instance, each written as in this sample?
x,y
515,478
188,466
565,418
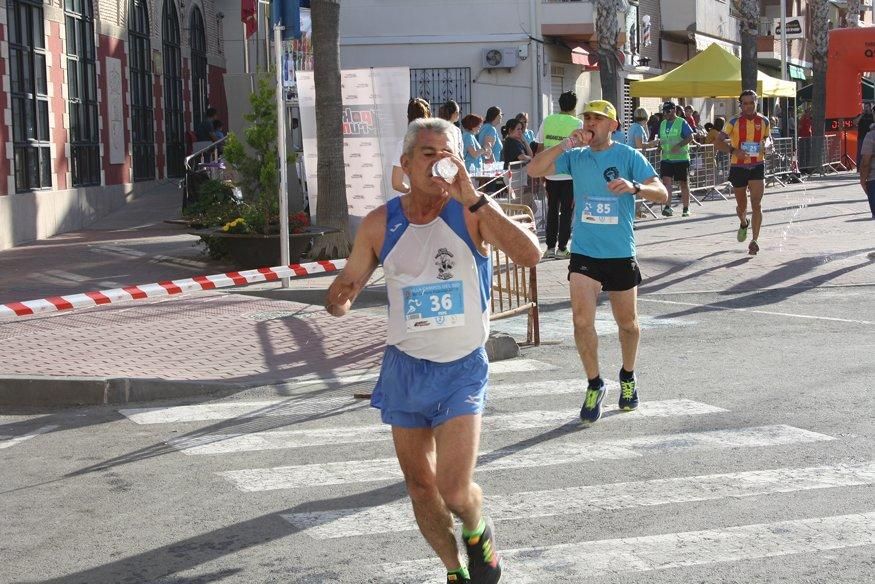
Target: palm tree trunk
x,y
819,13
608,29
853,16
332,209
749,23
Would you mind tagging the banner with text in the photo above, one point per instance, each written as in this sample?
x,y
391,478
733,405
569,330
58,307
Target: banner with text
x,y
374,122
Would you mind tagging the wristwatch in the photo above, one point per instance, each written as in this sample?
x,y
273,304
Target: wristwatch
x,y
637,186
482,201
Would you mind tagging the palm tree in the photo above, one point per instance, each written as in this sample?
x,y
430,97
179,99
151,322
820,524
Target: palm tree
x,y
749,18
819,13
332,210
608,28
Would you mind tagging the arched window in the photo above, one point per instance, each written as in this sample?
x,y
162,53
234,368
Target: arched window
x,y
28,88
173,122
198,42
142,124
82,93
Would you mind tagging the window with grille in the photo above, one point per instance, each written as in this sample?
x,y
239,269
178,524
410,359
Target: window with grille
x,y
437,86
82,93
142,120
28,88
173,121
198,43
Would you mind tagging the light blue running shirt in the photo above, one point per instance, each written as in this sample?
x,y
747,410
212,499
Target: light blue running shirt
x,y
602,226
490,130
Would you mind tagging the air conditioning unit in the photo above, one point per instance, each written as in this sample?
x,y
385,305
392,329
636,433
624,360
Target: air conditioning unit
x,y
496,58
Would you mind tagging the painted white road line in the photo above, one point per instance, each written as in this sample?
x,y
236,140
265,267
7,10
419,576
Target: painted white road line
x,y
519,366
522,456
769,312
579,562
398,516
559,324
224,443
303,407
307,406
10,441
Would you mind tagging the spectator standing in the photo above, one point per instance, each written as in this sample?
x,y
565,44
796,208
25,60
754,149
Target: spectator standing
x,y
689,117
653,126
490,135
204,130
867,174
863,126
528,133
416,108
638,132
474,152
514,148
805,125
675,135
560,190
449,111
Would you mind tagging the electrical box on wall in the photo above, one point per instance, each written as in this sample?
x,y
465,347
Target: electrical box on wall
x,y
505,57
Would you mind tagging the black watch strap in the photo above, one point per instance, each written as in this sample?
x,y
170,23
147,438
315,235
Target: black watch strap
x,y
483,200
637,186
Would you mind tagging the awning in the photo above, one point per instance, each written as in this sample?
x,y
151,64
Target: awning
x,y
581,56
714,72
867,89
704,41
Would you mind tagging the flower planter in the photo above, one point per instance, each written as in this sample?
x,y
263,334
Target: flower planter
x,y
251,250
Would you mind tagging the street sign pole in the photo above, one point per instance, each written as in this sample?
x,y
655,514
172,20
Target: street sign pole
x,y
281,146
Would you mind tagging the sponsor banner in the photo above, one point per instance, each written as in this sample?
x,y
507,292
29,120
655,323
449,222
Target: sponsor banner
x,y
374,120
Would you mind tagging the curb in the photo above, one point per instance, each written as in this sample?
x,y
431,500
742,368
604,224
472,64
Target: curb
x,y
47,391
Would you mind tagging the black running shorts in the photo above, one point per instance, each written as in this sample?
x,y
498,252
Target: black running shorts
x,y
739,176
615,274
674,169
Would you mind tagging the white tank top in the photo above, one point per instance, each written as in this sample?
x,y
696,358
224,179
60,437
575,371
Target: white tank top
x,y
438,284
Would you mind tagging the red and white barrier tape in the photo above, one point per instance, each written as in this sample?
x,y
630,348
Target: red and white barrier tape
x,y
166,288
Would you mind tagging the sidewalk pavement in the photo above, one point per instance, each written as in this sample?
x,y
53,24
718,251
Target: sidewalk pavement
x,y
817,234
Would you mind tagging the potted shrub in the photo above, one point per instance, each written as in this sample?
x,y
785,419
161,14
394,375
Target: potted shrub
x,y
244,223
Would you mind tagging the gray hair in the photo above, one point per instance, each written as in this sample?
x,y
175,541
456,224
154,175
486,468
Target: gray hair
x,y
438,125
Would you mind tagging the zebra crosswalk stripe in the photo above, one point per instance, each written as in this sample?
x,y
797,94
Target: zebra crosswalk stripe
x,y
525,456
398,516
224,443
9,442
581,561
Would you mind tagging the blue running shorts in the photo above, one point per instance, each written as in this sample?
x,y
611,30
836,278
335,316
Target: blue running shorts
x,y
417,393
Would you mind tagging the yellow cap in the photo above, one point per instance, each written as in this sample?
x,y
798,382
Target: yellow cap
x,y
602,108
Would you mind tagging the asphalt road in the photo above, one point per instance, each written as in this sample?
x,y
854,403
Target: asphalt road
x,y
750,460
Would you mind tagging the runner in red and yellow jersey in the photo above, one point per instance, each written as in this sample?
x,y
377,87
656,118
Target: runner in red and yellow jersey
x,y
746,138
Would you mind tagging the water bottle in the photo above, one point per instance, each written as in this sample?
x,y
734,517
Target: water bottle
x,y
472,169
445,169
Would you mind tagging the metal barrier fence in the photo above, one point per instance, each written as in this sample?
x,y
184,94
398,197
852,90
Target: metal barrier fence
x,y
831,155
515,288
779,162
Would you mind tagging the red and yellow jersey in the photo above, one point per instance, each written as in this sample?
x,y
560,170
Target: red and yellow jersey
x,y
750,136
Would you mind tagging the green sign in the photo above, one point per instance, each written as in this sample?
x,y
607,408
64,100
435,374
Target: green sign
x,y
796,72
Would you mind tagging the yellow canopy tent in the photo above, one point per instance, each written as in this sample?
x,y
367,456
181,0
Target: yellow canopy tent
x,y
715,72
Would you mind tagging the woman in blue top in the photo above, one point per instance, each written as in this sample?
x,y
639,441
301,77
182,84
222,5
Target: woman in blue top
x,y
490,136
638,132
473,151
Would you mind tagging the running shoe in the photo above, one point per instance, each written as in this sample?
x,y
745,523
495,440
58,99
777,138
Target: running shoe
x,y
628,395
484,563
563,254
753,248
592,405
456,579
742,232
667,211
548,255
686,213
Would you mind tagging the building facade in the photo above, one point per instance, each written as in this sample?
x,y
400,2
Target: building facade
x,y
99,101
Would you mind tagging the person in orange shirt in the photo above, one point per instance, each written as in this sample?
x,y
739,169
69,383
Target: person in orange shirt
x,y
747,137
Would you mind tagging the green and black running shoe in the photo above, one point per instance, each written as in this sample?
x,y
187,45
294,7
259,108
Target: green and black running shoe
x,y
592,405
484,563
457,579
742,232
628,395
